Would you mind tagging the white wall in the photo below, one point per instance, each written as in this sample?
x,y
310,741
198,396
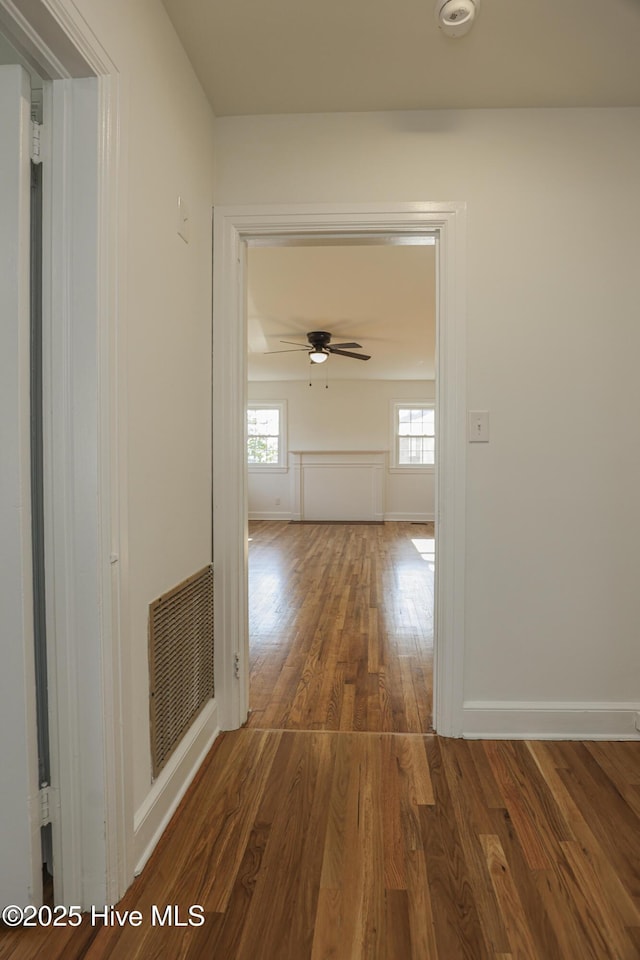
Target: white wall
x,y
553,339
165,336
345,415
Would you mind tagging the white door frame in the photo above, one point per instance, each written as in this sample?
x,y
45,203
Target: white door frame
x,y
83,442
20,846
234,227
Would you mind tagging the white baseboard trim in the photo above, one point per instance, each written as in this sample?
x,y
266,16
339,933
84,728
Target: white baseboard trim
x,y
154,813
269,515
519,720
286,515
411,517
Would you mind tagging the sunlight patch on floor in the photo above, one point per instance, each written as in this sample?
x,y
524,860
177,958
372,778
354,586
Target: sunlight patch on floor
x,y
426,547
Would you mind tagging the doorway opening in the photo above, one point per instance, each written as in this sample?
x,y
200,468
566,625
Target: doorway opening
x,y
341,484
237,227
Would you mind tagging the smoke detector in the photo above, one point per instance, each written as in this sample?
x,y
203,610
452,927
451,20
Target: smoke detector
x,y
455,17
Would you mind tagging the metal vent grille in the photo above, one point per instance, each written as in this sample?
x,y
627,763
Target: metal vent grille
x,y
180,661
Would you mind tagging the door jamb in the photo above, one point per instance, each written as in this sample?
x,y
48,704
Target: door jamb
x,y
234,226
91,804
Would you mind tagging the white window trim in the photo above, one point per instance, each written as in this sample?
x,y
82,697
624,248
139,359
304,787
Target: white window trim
x,y
394,466
282,466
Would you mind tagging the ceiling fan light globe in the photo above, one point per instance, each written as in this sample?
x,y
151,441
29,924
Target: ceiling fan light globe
x,y
318,356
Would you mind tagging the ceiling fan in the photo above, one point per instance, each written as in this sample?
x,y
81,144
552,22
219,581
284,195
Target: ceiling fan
x,y
319,347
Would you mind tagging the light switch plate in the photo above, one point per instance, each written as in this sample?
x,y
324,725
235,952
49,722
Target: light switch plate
x,y
478,426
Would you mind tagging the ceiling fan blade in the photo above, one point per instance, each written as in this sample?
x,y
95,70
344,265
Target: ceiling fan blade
x,y
347,346
347,353
296,343
269,352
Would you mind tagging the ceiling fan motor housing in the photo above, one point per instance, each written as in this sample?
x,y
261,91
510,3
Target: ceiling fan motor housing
x,y
319,339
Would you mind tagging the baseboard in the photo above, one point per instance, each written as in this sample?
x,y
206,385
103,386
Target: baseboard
x,y
286,515
269,515
519,720
167,791
411,517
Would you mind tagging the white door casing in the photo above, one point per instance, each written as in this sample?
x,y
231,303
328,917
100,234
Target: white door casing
x,y
234,228
84,487
20,854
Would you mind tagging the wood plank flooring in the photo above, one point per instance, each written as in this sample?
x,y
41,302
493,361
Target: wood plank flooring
x,y
362,837
341,626
355,846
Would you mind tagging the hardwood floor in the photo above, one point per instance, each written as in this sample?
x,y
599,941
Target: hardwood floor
x,y
355,846
341,626
351,841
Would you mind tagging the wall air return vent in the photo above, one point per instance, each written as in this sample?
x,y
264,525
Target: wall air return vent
x,y
180,661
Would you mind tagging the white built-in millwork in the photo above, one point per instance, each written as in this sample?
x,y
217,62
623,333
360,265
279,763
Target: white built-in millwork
x,y
338,484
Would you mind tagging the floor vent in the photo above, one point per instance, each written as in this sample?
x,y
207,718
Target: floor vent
x,y
180,661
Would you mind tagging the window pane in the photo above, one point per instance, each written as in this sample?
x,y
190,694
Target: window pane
x,y
263,421
416,450
416,421
262,449
404,450
404,422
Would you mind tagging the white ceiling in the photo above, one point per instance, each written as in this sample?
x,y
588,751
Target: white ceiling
x,y
295,56
380,296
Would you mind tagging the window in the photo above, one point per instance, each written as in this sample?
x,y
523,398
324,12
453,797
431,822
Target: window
x,y
266,435
413,434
